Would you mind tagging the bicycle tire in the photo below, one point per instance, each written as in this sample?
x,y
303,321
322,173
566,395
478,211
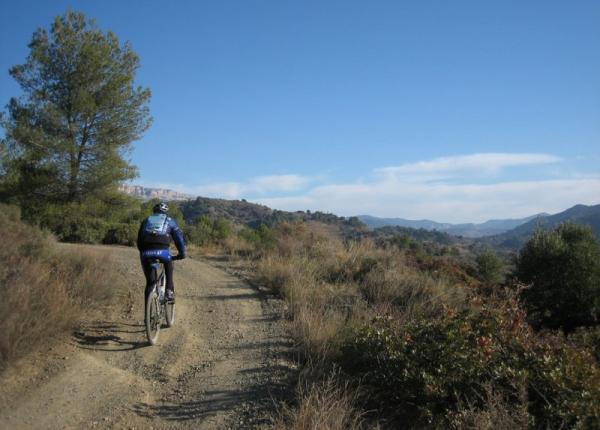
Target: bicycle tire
x,y
152,317
170,314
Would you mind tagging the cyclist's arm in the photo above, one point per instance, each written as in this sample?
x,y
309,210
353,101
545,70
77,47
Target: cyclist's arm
x,y
140,236
177,236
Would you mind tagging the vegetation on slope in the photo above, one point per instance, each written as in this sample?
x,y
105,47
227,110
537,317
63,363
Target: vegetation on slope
x,y
44,288
421,340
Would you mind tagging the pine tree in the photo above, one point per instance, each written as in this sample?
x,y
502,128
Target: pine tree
x,y
68,135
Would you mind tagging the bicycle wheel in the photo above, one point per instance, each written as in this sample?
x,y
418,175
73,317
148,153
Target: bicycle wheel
x,y
170,313
152,317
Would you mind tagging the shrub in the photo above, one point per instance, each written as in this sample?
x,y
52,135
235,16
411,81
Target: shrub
x,y
261,238
419,373
92,220
205,231
221,229
562,267
490,268
120,234
410,291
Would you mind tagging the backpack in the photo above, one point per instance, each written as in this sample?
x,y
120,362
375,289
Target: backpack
x,y
156,225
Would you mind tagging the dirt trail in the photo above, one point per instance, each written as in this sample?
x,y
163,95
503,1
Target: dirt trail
x,y
223,364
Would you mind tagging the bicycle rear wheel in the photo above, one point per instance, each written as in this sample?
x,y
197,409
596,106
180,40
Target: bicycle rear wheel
x,y
152,317
170,313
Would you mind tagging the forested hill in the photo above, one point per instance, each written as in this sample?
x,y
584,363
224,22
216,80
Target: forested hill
x,y
515,238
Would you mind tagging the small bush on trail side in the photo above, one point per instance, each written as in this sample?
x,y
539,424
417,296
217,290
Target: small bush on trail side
x,y
44,288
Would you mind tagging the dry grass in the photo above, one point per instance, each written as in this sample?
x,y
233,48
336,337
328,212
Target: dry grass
x,y
497,414
324,405
330,288
409,290
45,289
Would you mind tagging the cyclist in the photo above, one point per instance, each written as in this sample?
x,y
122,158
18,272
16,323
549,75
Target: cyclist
x,y
154,238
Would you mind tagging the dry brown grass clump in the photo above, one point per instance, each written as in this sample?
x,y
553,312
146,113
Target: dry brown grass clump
x,y
410,291
496,414
45,289
324,405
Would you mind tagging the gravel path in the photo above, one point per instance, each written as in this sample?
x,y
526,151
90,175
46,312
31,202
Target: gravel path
x,y
225,363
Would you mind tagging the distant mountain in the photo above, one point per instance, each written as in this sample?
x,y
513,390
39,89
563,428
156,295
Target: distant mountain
x,y
488,228
145,193
579,214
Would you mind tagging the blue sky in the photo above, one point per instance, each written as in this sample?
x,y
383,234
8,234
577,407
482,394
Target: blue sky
x,y
453,111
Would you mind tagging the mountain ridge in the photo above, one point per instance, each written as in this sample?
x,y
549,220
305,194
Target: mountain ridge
x,y
471,230
579,214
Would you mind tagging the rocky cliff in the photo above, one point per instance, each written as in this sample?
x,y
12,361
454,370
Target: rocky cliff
x,y
145,193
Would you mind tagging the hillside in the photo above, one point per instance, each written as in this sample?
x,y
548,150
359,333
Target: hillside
x,y
515,238
244,213
471,230
419,235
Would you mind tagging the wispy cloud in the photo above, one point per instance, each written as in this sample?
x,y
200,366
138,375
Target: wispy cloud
x,y
465,165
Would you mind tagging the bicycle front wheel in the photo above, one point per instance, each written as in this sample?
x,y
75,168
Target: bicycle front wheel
x,y
152,317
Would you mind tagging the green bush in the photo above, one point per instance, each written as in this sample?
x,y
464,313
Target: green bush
x,y
562,267
490,268
109,219
121,234
260,238
221,229
204,230
421,372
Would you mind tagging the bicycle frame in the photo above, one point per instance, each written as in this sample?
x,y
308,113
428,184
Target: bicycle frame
x,y
158,278
156,304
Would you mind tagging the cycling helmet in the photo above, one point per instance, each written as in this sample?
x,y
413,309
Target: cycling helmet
x,y
160,208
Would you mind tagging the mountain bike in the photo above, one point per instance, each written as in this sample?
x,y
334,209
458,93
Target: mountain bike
x,y
156,303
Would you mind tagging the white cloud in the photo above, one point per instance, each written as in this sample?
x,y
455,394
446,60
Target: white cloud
x,y
445,202
422,190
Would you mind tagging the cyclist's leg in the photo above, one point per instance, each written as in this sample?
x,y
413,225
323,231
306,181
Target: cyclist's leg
x,y
169,275
148,272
